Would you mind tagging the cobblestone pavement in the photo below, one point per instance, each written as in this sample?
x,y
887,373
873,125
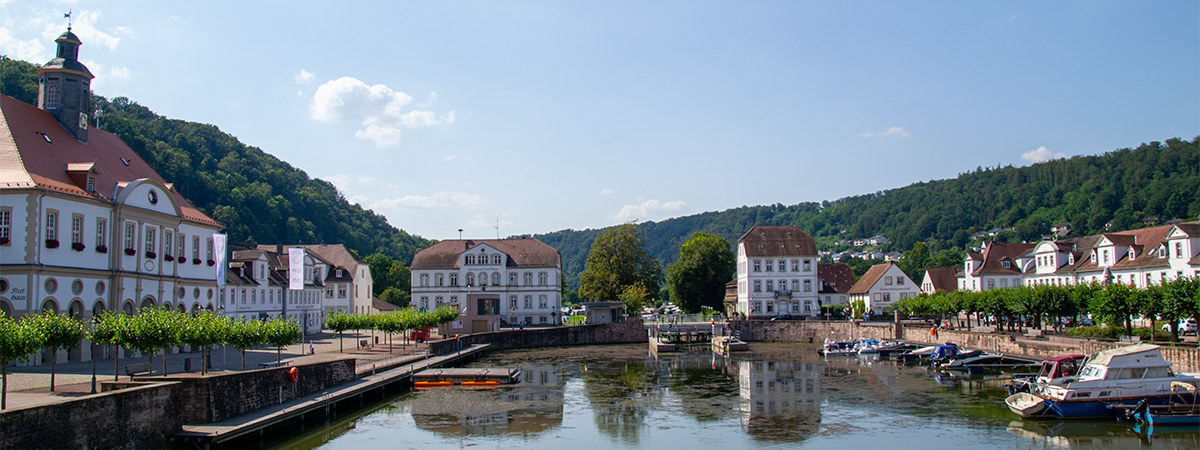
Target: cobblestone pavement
x,y
29,386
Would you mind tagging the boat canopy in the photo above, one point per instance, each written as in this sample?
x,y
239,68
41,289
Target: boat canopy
x,y
1140,355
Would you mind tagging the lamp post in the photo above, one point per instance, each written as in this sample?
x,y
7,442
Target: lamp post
x,y
221,312
94,321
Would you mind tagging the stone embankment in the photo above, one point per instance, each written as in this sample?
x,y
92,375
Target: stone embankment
x,y
1185,359
628,332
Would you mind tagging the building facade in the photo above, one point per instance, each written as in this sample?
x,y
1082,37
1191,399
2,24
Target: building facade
x,y
882,286
777,272
86,226
492,282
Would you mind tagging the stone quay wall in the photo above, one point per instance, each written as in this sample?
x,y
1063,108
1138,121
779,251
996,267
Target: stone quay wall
x,y
1185,359
630,331
222,396
141,417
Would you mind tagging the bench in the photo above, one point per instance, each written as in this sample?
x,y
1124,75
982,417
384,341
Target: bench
x,y
137,369
271,364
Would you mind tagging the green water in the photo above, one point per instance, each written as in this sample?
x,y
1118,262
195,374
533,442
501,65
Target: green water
x,y
777,395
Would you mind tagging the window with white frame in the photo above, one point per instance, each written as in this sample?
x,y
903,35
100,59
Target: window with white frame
x,y
782,265
807,265
6,224
528,302
130,230
151,240
496,258
770,285
208,248
101,232
541,301
437,279
182,239
453,279
795,265
757,286
341,291
541,278
52,225
795,285
807,285
757,266
887,281
496,279
512,302
76,229
529,278
470,278
470,260
770,263
195,248
424,280
512,279
168,238
900,281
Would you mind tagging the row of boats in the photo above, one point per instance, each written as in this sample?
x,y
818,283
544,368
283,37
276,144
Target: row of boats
x,y
1133,382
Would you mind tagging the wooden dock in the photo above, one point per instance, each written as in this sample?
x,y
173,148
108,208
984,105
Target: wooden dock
x,y
463,376
203,435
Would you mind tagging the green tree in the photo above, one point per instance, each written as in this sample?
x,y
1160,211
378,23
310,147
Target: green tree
x,y
109,331
1116,304
635,297
244,334
396,296
202,331
339,322
388,273
18,339
57,332
279,333
616,262
698,278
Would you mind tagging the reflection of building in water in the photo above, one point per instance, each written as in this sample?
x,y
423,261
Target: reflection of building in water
x,y
779,400
531,406
621,396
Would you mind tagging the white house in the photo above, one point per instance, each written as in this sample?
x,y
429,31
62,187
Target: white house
x,y
86,226
777,272
490,281
998,266
883,285
1139,257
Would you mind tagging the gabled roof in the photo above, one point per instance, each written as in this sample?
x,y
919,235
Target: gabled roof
x,y
770,241
27,160
335,254
1190,228
994,256
944,279
869,279
835,278
526,252
383,306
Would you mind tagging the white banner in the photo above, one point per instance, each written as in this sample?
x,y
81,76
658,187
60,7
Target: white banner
x,y
296,269
219,256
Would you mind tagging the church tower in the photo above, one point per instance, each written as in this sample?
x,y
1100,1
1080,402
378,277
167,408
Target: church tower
x,y
64,86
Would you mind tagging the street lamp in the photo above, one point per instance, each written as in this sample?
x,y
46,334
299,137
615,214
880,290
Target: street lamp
x,y
94,321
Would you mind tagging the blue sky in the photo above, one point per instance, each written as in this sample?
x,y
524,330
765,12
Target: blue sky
x,y
553,115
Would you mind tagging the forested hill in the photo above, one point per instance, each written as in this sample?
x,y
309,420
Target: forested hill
x,y
255,195
1117,189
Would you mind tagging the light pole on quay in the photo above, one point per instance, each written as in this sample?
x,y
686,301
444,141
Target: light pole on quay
x,y
94,321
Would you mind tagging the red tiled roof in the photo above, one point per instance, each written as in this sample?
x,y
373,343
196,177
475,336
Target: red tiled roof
x,y
835,278
785,240
28,160
994,255
526,252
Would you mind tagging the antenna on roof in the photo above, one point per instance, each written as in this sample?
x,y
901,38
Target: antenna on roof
x,y
68,17
460,233
497,228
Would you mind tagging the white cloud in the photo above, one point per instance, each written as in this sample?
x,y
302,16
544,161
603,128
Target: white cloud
x,y
648,208
383,136
304,77
890,132
30,50
377,107
1041,154
607,192
119,73
437,200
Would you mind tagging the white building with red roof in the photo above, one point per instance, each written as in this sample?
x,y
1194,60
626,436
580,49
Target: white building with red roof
x,y
883,285
86,225
490,281
777,272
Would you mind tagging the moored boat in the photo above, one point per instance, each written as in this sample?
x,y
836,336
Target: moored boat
x,y
1057,370
1121,376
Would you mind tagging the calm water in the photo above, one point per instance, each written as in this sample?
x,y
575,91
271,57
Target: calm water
x,y
778,395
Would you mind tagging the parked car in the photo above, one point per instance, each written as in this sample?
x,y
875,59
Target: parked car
x,y
784,317
1186,326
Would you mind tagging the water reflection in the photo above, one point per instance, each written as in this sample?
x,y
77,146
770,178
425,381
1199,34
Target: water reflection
x,y
621,395
530,407
780,400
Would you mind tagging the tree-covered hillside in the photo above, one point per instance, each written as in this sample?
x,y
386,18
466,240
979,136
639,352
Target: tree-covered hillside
x,y
1112,191
255,195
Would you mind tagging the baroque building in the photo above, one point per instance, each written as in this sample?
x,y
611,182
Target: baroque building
x,y
777,272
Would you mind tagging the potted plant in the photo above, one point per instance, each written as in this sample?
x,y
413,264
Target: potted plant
x,y
78,246
151,255
182,260
101,249
196,261
51,243
4,241
130,251
211,263
168,258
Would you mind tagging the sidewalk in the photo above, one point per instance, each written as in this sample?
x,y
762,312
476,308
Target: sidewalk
x,y
30,386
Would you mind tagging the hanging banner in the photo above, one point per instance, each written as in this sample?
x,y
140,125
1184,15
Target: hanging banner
x,y
219,256
296,269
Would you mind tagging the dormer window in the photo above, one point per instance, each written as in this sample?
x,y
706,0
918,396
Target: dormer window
x,y
1006,264
339,273
91,183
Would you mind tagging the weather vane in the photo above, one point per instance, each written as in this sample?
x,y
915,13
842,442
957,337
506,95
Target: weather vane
x,y
68,17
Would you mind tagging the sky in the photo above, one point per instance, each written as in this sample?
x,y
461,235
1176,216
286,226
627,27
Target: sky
x,y
537,116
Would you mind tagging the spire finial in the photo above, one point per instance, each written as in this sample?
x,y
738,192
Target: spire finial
x,y
68,17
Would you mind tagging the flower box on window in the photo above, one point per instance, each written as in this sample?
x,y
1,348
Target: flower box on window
x,y
211,263
182,260
101,249
196,261
51,243
168,258
130,251
151,255
78,246
4,241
